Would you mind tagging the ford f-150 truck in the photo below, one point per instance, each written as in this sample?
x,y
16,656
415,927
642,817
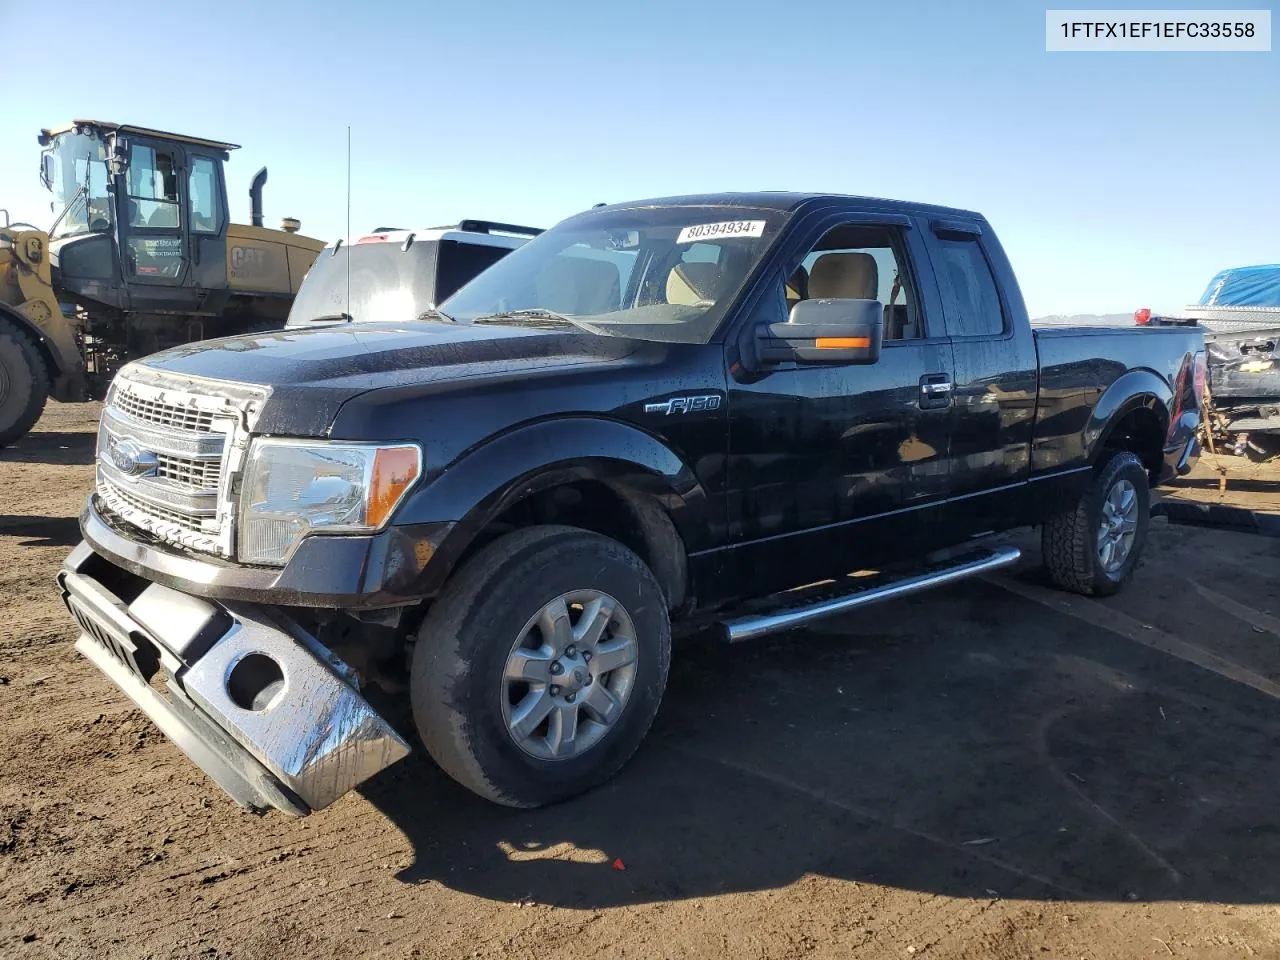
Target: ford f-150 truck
x,y
736,412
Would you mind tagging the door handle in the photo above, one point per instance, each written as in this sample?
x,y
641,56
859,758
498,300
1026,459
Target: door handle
x,y
935,391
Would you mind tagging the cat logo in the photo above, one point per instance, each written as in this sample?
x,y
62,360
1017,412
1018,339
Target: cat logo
x,y
249,261
698,404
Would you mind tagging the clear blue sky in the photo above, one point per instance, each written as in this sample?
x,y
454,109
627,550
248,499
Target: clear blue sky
x,y
1114,180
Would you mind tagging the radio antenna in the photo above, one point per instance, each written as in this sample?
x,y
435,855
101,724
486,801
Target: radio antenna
x,y
348,310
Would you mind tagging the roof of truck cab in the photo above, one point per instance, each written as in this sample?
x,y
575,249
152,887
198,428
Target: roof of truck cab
x,y
787,201
137,131
426,234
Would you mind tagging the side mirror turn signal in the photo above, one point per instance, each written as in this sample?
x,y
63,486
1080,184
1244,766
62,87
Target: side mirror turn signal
x,y
825,331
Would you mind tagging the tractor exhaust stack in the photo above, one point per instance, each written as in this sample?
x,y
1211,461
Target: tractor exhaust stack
x,y
255,197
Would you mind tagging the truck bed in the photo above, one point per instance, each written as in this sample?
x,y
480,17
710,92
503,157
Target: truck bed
x,y
1077,366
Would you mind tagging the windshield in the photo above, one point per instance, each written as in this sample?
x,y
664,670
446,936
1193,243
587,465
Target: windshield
x,y
664,273
387,282
78,180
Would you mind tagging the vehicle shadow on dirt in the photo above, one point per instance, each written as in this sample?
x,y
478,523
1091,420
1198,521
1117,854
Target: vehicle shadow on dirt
x,y
42,531
975,745
52,447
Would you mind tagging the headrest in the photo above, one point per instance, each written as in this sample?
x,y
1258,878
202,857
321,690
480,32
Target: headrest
x,y
692,283
852,276
579,286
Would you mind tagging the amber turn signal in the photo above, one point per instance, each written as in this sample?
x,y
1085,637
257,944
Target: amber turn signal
x,y
394,471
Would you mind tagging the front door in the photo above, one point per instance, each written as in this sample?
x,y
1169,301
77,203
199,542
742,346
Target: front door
x,y
837,467
153,222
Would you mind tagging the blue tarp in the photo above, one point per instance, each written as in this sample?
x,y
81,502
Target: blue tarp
x,y
1244,287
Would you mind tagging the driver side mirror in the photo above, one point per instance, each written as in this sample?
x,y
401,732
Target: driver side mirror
x,y
46,171
825,331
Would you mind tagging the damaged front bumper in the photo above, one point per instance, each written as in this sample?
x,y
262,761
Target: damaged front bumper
x,y
253,699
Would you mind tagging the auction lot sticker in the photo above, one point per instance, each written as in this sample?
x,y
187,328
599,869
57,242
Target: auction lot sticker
x,y
721,231
1154,31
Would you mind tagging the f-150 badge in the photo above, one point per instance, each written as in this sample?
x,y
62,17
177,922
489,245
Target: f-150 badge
x,y
684,405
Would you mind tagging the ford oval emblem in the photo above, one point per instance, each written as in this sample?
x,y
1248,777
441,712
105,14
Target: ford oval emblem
x,y
130,459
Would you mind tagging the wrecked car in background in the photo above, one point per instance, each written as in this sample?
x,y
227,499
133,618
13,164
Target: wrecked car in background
x,y
1240,315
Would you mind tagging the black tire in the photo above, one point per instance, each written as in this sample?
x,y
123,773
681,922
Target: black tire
x,y
24,383
1069,541
462,649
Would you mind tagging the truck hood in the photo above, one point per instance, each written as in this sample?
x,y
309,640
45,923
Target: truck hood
x,y
311,372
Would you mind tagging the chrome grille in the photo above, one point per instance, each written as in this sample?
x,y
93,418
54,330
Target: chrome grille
x,y
166,455
118,492
201,474
163,414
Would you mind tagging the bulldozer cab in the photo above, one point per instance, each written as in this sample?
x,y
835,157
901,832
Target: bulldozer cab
x,y
143,223
155,203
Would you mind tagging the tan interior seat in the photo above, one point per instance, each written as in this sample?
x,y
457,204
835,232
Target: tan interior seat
x,y
852,276
578,286
689,284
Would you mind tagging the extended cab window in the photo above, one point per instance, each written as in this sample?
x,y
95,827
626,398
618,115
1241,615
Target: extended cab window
x,y
967,282
861,262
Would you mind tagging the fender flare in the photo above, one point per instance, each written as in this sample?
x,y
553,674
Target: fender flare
x,y
1134,390
477,487
48,351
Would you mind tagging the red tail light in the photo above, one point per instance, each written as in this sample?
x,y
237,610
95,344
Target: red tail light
x,y
1142,317
1201,375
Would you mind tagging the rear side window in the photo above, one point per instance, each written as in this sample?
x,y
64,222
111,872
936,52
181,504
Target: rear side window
x,y
967,282
460,262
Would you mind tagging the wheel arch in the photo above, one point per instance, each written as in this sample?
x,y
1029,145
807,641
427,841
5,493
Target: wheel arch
x,y
1132,414
600,475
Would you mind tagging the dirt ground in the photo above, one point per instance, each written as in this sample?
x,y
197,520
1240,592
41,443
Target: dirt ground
x,y
993,770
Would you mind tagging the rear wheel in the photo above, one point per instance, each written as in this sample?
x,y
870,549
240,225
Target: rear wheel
x,y
24,383
1093,548
540,668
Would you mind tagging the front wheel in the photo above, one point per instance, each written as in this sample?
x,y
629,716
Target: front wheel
x,y
1093,548
24,383
540,668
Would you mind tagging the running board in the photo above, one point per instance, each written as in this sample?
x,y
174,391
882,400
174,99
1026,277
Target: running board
x,y
757,625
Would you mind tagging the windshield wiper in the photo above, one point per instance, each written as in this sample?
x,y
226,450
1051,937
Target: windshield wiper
x,y
532,317
431,313
326,317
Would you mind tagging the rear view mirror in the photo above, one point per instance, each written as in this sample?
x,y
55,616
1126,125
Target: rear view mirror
x,y
46,171
826,331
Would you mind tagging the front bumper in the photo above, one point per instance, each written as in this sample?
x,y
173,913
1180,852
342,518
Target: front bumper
x,y
348,572
255,701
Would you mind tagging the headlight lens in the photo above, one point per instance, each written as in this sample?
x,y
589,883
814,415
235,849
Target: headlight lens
x,y
294,488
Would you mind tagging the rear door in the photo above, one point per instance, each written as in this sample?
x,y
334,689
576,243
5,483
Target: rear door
x,y
996,378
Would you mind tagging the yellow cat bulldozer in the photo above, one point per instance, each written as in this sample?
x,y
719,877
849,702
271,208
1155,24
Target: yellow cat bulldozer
x,y
142,256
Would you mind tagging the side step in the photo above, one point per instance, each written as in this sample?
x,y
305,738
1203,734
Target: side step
x,y
969,564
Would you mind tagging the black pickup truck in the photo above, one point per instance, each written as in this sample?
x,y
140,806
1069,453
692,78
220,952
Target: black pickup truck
x,y
670,413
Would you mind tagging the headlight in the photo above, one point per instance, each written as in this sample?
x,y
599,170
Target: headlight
x,y
294,488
